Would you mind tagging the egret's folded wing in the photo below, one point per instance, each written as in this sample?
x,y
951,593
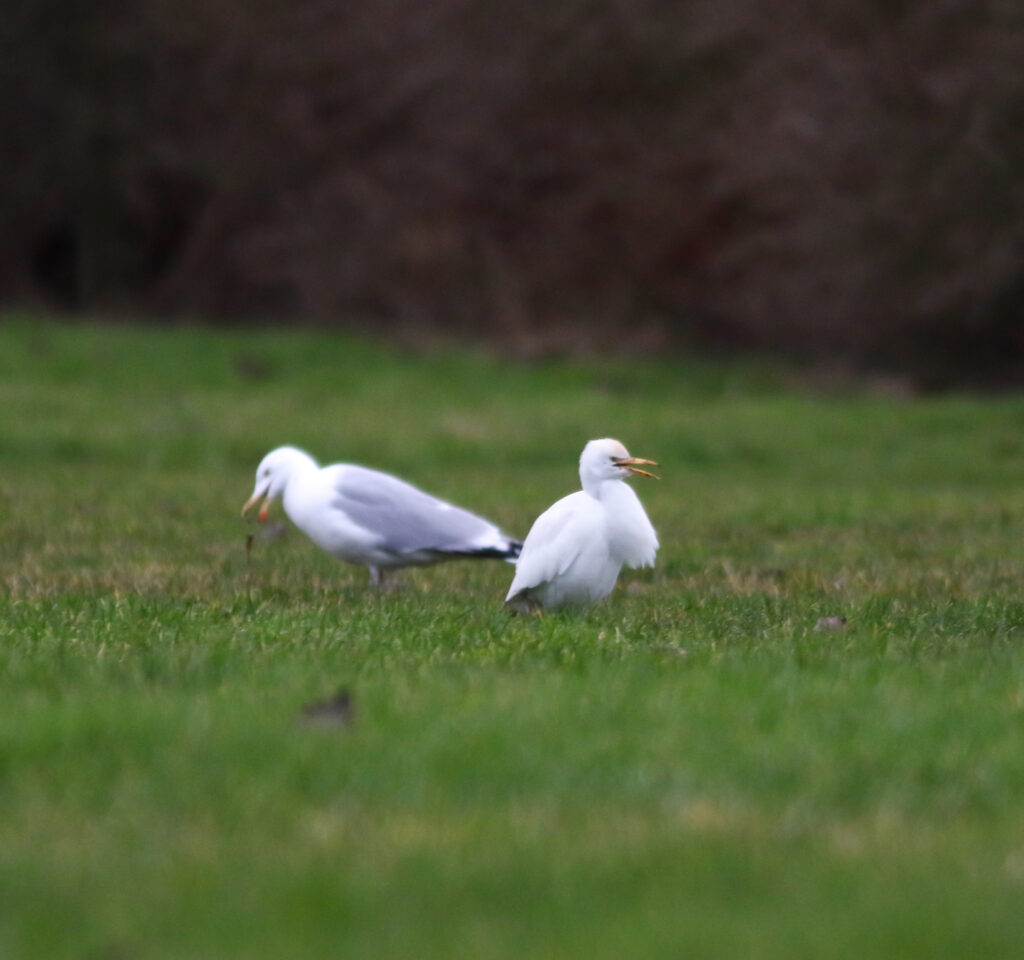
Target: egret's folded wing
x,y
406,519
555,540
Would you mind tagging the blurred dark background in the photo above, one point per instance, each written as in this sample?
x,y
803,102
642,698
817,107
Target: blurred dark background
x,y
840,181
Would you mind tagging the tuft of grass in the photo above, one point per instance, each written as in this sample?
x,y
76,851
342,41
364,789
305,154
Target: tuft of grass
x,y
712,763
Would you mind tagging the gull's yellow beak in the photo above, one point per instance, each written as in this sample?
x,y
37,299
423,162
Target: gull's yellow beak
x,y
252,501
632,465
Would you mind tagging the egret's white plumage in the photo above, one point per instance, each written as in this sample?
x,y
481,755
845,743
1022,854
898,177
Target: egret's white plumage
x,y
574,551
372,518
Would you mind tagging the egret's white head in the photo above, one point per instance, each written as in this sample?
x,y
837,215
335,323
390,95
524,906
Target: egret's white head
x,y
272,476
608,459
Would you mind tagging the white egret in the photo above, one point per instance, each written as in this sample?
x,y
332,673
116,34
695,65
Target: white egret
x,y
574,551
372,518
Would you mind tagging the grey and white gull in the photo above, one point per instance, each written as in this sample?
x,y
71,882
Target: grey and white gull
x,y
371,518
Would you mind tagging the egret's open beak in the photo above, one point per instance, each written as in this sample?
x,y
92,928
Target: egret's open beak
x,y
631,464
252,501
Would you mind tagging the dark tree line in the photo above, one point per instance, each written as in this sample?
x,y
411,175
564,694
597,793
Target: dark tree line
x,y
838,180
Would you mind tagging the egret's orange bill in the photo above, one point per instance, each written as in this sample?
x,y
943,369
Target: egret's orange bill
x,y
632,465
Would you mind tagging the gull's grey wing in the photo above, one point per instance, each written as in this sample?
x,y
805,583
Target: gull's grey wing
x,y
408,520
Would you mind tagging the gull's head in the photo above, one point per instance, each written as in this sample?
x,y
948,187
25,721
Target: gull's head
x,y
272,476
609,460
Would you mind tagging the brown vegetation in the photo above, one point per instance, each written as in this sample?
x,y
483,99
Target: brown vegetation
x,y
838,180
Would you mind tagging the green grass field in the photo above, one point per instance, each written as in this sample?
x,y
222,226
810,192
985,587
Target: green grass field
x,y
690,769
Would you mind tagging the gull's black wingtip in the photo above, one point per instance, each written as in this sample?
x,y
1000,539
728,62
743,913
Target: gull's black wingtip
x,y
510,551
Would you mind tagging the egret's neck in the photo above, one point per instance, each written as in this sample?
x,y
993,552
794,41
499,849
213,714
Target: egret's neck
x,y
596,486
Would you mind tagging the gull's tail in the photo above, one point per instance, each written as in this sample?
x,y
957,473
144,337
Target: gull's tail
x,y
505,549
